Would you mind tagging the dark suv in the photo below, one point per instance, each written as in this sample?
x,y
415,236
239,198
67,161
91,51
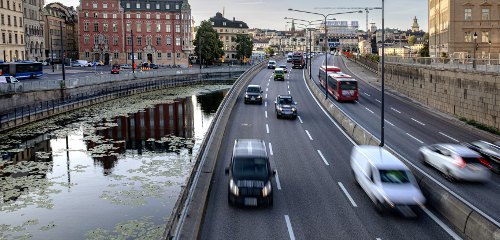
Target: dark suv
x,y
253,94
250,174
285,106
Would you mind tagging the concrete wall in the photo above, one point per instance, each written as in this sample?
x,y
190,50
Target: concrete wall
x,y
473,95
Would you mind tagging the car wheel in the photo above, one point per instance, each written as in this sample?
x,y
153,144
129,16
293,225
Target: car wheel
x,y
294,117
229,201
379,207
260,102
246,102
270,201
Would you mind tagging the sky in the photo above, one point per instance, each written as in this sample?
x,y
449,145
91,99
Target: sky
x,y
270,14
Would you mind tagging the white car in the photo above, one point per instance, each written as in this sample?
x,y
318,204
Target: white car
x,y
456,162
8,79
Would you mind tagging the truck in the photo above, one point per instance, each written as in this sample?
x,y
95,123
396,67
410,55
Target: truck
x,y
298,60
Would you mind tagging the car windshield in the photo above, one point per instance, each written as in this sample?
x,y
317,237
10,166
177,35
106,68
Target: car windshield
x,y
278,72
285,101
394,176
250,168
253,90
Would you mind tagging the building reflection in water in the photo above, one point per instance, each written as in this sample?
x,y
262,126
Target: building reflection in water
x,y
137,131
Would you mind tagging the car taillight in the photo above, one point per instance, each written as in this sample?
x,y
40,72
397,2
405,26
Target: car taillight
x,y
459,162
485,162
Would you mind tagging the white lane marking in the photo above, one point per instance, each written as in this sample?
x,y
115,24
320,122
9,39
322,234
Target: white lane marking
x,y
449,137
356,101
266,95
267,89
265,104
389,123
378,100
267,128
369,110
309,135
288,86
418,140
270,148
347,194
289,226
415,120
266,113
268,84
393,109
300,119
323,158
367,94
278,184
441,224
378,238
288,92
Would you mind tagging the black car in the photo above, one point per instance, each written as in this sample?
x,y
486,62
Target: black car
x,y
489,151
285,106
253,94
250,174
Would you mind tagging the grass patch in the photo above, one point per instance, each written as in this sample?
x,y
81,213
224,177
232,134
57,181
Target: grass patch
x,y
480,125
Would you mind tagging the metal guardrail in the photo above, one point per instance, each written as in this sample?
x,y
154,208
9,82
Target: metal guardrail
x,y
96,79
467,64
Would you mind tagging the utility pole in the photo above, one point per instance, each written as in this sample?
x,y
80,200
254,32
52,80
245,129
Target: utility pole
x,y
62,51
133,55
199,50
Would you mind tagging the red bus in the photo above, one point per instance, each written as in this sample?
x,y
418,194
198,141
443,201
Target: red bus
x,y
342,87
322,73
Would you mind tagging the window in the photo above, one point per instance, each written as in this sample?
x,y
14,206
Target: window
x,y
159,54
158,40
115,55
86,14
96,39
15,38
158,6
169,41
177,41
468,14
129,40
3,22
127,16
115,40
104,15
177,28
96,15
10,37
106,40
115,27
149,41
167,17
169,55
158,27
129,27
176,6
485,37
168,28
127,5
148,16
104,5
468,37
87,54
167,6
114,15
138,26
3,38
139,40
86,26
177,16
137,5
485,14
94,5
15,21
138,15
8,20
96,27
105,27
178,55
148,27
148,6
157,16
139,55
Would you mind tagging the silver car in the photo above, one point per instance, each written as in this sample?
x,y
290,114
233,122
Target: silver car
x,y
456,162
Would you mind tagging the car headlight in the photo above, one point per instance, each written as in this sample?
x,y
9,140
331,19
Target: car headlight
x,y
246,95
234,189
266,189
259,96
279,109
294,109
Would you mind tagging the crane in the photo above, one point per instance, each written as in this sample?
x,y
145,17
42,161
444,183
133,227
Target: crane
x,y
367,10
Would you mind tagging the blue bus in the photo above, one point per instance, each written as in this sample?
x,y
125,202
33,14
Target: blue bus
x,y
21,70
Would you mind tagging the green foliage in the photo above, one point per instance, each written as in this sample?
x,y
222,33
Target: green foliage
x,y
480,125
244,46
207,40
270,51
412,40
424,52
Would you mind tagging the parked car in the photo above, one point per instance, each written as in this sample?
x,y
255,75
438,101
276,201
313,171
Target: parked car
x,y
386,180
271,64
284,68
115,69
253,94
250,174
8,79
96,64
126,66
455,162
285,107
489,151
81,63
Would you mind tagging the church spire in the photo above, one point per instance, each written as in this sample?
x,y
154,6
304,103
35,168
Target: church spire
x,y
415,27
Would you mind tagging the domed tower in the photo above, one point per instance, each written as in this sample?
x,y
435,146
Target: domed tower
x,y
415,27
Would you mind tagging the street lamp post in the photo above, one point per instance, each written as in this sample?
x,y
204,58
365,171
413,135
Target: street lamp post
x,y
382,80
325,16
489,52
475,47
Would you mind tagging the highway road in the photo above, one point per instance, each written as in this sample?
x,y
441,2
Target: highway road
x,y
315,196
409,126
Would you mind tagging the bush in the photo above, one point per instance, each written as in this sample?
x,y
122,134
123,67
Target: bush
x,y
480,125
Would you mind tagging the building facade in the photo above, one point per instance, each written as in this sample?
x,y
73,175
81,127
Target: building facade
x,y
453,25
228,30
34,29
11,27
119,31
61,32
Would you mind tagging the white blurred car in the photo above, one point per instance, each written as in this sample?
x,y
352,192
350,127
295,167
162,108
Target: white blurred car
x,y
456,162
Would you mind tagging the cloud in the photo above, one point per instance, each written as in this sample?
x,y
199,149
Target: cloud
x,y
250,2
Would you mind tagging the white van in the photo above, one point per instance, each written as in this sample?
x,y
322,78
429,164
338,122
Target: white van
x,y
8,79
386,180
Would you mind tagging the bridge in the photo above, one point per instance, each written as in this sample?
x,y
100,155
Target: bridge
x,y
315,196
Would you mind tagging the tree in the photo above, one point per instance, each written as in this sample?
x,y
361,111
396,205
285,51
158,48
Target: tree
x,y
207,40
244,47
412,40
424,52
270,51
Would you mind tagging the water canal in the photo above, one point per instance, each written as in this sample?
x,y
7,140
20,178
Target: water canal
x,y
112,171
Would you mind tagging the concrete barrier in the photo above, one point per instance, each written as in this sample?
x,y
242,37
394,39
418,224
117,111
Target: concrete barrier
x,y
464,218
